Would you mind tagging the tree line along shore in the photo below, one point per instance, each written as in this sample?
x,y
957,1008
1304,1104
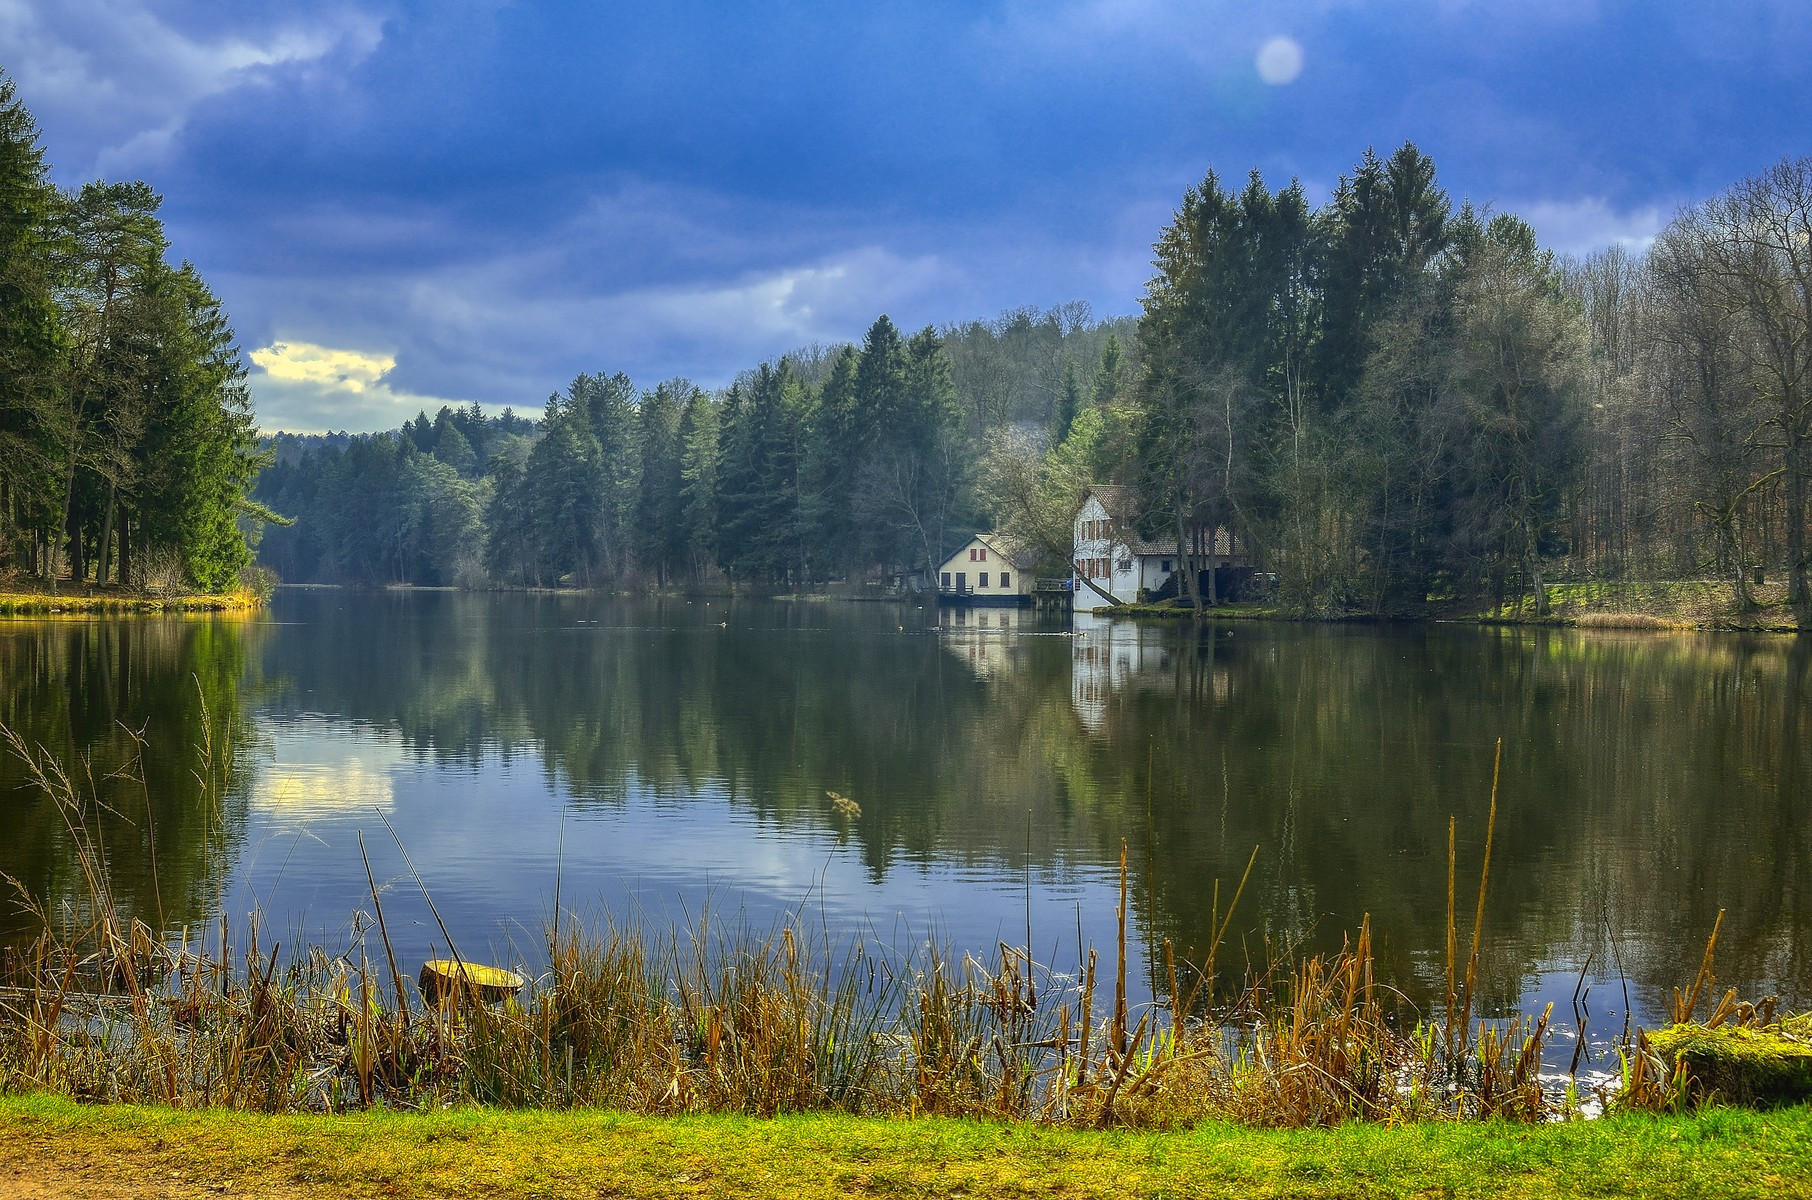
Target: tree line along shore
x,y
1400,404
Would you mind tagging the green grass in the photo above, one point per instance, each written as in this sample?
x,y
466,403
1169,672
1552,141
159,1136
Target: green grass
x,y
57,1147
41,604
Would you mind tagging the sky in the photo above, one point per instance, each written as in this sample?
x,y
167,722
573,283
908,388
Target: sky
x,y
405,204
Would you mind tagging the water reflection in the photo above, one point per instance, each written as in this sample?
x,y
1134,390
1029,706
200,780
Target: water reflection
x,y
657,757
147,718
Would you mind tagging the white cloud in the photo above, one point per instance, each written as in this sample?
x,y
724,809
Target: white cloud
x,y
1589,224
113,79
713,326
300,387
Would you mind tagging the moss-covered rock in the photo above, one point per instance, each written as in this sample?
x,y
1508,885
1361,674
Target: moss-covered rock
x,y
1757,1067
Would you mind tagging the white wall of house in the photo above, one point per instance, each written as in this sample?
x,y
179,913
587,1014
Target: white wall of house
x,y
1092,555
983,569
1100,550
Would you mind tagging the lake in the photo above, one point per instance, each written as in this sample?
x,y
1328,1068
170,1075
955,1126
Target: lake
x,y
660,760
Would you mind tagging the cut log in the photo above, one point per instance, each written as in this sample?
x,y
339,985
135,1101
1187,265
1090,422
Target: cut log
x,y
441,977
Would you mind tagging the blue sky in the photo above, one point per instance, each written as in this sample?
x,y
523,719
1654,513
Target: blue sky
x,y
405,204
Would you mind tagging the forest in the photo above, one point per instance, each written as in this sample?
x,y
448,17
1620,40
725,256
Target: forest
x,y
1394,403
128,445
841,463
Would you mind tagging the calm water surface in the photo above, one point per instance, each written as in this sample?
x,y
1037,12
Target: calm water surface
x,y
656,760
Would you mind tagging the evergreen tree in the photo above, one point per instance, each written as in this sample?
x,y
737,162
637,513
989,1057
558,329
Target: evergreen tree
x,y
509,518
31,333
451,445
568,494
659,505
608,405
834,449
760,532
200,455
1069,401
698,436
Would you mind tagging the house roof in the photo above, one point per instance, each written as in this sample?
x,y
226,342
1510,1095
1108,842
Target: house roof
x,y
1004,548
1010,550
1122,504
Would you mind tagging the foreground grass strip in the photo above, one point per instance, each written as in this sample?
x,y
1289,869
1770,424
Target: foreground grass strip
x,y
54,1148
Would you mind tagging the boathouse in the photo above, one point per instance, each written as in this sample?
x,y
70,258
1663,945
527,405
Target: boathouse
x,y
988,569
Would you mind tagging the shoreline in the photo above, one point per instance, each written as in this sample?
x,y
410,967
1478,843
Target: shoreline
x,y
110,604
1665,606
1624,622
1693,606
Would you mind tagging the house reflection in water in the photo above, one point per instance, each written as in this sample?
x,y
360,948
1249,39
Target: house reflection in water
x,y
982,637
1110,656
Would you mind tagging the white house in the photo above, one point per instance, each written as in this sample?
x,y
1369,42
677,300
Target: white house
x,y
989,569
1109,554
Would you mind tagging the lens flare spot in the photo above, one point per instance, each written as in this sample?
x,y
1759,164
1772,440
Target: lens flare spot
x,y
1279,61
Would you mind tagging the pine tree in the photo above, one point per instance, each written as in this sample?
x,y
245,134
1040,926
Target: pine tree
x,y
698,435
451,445
834,448
658,516
1069,401
31,333
569,494
200,453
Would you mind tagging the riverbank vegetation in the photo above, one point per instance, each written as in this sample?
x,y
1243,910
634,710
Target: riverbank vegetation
x,y
111,602
127,445
717,1017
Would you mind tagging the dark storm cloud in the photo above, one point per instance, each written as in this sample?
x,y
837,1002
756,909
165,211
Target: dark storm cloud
x,y
497,196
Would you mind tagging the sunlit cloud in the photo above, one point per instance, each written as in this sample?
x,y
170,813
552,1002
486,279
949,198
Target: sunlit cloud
x,y
302,362
300,387
1279,61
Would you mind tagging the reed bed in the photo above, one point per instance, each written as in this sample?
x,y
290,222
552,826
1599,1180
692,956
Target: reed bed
x,y
721,1018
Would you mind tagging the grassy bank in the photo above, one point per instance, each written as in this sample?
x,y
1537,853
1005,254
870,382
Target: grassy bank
x,y
113,603
1651,604
1681,604
56,1148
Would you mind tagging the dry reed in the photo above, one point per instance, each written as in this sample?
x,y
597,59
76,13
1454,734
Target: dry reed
x,y
716,1018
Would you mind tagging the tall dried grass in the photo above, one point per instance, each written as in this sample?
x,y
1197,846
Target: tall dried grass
x,y
722,1018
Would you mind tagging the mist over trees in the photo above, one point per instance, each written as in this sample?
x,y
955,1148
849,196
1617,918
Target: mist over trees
x,y
1392,401
127,444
